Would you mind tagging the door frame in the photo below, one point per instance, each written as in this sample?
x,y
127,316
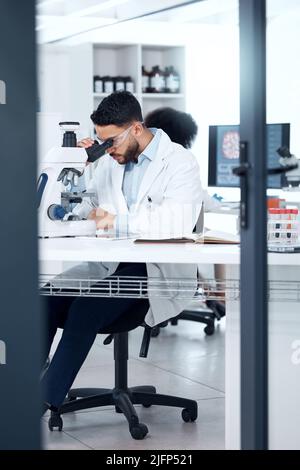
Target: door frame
x,y
20,331
253,271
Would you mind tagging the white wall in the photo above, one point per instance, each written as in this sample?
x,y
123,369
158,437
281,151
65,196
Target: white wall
x,y
283,73
212,86
54,79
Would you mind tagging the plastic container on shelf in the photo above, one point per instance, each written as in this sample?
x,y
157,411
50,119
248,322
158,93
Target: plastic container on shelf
x,y
273,202
274,214
291,214
283,226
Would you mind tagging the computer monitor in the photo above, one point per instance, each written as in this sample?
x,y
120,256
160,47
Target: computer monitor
x,y
224,153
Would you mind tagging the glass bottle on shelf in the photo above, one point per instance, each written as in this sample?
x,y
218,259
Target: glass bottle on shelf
x,y
157,80
108,84
145,80
172,80
119,83
129,84
98,84
167,75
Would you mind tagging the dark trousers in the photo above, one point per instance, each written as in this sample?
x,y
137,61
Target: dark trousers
x,y
81,319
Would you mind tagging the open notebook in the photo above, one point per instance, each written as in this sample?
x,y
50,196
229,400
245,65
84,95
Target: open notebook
x,y
210,236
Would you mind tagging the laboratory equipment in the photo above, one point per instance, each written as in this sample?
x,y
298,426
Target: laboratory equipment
x,y
60,170
291,179
224,153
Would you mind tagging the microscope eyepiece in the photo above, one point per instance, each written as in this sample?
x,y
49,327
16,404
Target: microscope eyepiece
x,y
69,137
69,125
284,152
98,150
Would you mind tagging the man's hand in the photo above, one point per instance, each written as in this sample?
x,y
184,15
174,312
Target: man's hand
x,y
85,143
104,220
92,215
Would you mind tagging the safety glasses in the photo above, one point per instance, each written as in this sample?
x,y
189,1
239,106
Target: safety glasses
x,y
118,139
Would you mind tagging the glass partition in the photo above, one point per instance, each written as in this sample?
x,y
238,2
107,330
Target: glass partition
x,y
186,59
283,73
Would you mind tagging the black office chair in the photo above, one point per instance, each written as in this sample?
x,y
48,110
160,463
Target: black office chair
x,y
122,396
197,312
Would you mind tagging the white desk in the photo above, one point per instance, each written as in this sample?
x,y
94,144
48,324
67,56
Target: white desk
x,y
95,249
284,322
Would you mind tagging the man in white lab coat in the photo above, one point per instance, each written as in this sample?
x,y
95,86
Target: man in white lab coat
x,y
145,185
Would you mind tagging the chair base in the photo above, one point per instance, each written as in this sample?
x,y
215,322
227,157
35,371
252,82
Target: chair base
x,y
205,316
215,311
201,316
123,400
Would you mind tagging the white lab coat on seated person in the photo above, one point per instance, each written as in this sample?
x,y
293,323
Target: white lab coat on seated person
x,y
168,205
210,204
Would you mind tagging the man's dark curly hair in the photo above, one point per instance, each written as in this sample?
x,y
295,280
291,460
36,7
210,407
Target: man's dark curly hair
x,y
119,108
180,126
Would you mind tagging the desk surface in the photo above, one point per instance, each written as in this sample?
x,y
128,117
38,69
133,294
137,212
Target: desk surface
x,y
95,249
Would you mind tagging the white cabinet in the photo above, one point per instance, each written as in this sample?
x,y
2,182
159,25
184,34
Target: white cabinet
x,y
125,60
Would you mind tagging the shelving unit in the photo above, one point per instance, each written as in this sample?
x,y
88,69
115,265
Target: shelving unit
x,y
153,96
99,95
164,56
161,96
113,60
103,95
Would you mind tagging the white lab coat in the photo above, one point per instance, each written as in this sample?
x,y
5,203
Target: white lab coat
x,y
168,205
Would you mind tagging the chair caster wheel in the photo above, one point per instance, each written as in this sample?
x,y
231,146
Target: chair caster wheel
x,y
155,331
209,330
138,431
188,415
217,307
70,398
55,421
146,405
118,410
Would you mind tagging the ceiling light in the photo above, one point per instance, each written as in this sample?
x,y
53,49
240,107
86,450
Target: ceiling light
x,y
95,9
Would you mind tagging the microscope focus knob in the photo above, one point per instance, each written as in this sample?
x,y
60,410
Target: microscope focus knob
x,y
56,212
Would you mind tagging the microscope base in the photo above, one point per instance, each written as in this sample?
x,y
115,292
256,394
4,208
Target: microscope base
x,y
78,228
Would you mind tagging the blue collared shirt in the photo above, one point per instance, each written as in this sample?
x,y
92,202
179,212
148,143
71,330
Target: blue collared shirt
x,y
133,176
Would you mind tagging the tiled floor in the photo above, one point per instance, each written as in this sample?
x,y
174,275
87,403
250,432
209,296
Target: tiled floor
x,y
181,361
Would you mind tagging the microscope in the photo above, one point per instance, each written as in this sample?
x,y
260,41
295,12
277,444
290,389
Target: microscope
x,y
57,184
291,175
